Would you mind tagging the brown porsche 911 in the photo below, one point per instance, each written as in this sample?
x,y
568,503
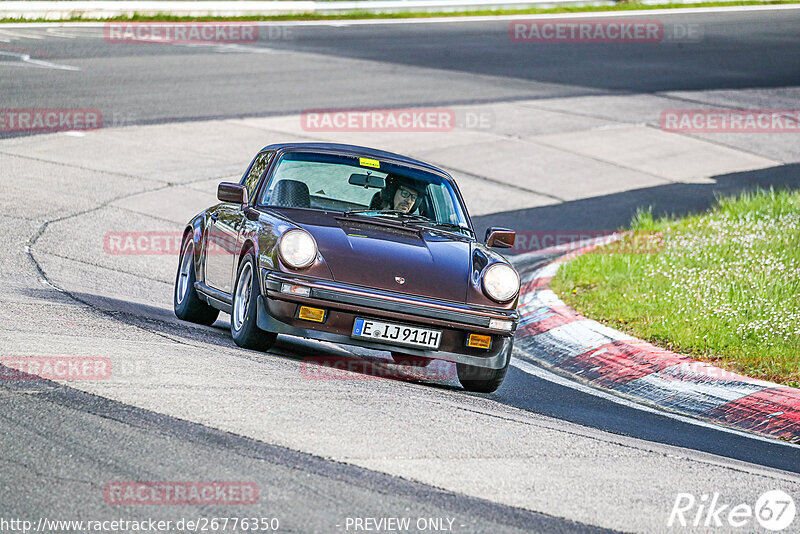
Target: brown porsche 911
x,y
356,246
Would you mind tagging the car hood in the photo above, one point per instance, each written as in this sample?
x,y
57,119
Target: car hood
x,y
385,255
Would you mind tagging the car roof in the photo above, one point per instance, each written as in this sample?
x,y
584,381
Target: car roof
x,y
356,150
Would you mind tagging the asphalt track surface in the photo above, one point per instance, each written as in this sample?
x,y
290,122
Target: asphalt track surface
x,y
60,445
472,62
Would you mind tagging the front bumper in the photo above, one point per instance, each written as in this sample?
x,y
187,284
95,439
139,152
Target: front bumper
x,y
278,313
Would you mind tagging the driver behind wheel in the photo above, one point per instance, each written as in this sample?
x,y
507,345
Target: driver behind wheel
x,y
400,194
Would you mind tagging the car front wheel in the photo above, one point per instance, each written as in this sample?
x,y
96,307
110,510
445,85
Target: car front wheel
x,y
481,379
244,328
186,303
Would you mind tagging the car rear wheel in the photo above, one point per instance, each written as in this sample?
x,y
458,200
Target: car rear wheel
x,y
244,328
407,359
481,379
188,306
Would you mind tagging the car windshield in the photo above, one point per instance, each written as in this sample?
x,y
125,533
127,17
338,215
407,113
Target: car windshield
x,y
364,186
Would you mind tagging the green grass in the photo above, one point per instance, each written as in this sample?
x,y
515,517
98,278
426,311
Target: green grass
x,y
723,287
621,6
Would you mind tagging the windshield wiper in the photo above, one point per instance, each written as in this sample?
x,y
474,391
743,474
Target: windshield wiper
x,y
411,218
454,226
400,214
356,212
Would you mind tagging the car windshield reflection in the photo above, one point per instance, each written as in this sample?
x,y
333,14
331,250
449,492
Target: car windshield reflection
x,y
364,187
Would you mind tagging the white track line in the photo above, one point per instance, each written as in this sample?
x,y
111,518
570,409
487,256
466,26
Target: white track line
x,y
544,374
644,13
21,35
225,48
27,61
56,32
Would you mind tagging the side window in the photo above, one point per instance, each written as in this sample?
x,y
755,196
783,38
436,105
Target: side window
x,y
250,181
443,206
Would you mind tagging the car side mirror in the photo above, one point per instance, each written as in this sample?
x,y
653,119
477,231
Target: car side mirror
x,y
228,192
500,237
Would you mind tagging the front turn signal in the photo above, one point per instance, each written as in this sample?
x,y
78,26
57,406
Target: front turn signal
x,y
479,341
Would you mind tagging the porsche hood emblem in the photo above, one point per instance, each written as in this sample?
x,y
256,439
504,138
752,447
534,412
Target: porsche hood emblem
x,y
400,280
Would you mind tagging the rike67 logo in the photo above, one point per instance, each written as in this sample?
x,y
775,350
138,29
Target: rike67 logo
x,y
774,511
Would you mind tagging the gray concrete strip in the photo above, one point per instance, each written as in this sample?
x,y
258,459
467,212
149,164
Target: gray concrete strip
x,y
73,189
116,244
610,108
100,149
543,169
657,153
647,110
188,201
425,137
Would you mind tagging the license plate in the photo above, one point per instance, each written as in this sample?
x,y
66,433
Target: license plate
x,y
396,334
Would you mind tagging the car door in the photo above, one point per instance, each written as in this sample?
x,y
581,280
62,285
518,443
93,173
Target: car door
x,y
225,225
221,247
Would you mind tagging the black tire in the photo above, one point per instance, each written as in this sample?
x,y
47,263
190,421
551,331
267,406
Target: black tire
x,y
187,305
481,379
407,359
244,326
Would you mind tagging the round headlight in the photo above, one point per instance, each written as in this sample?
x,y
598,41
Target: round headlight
x,y
297,249
500,282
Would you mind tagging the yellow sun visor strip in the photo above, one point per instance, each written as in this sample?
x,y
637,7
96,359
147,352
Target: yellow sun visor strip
x,y
366,162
